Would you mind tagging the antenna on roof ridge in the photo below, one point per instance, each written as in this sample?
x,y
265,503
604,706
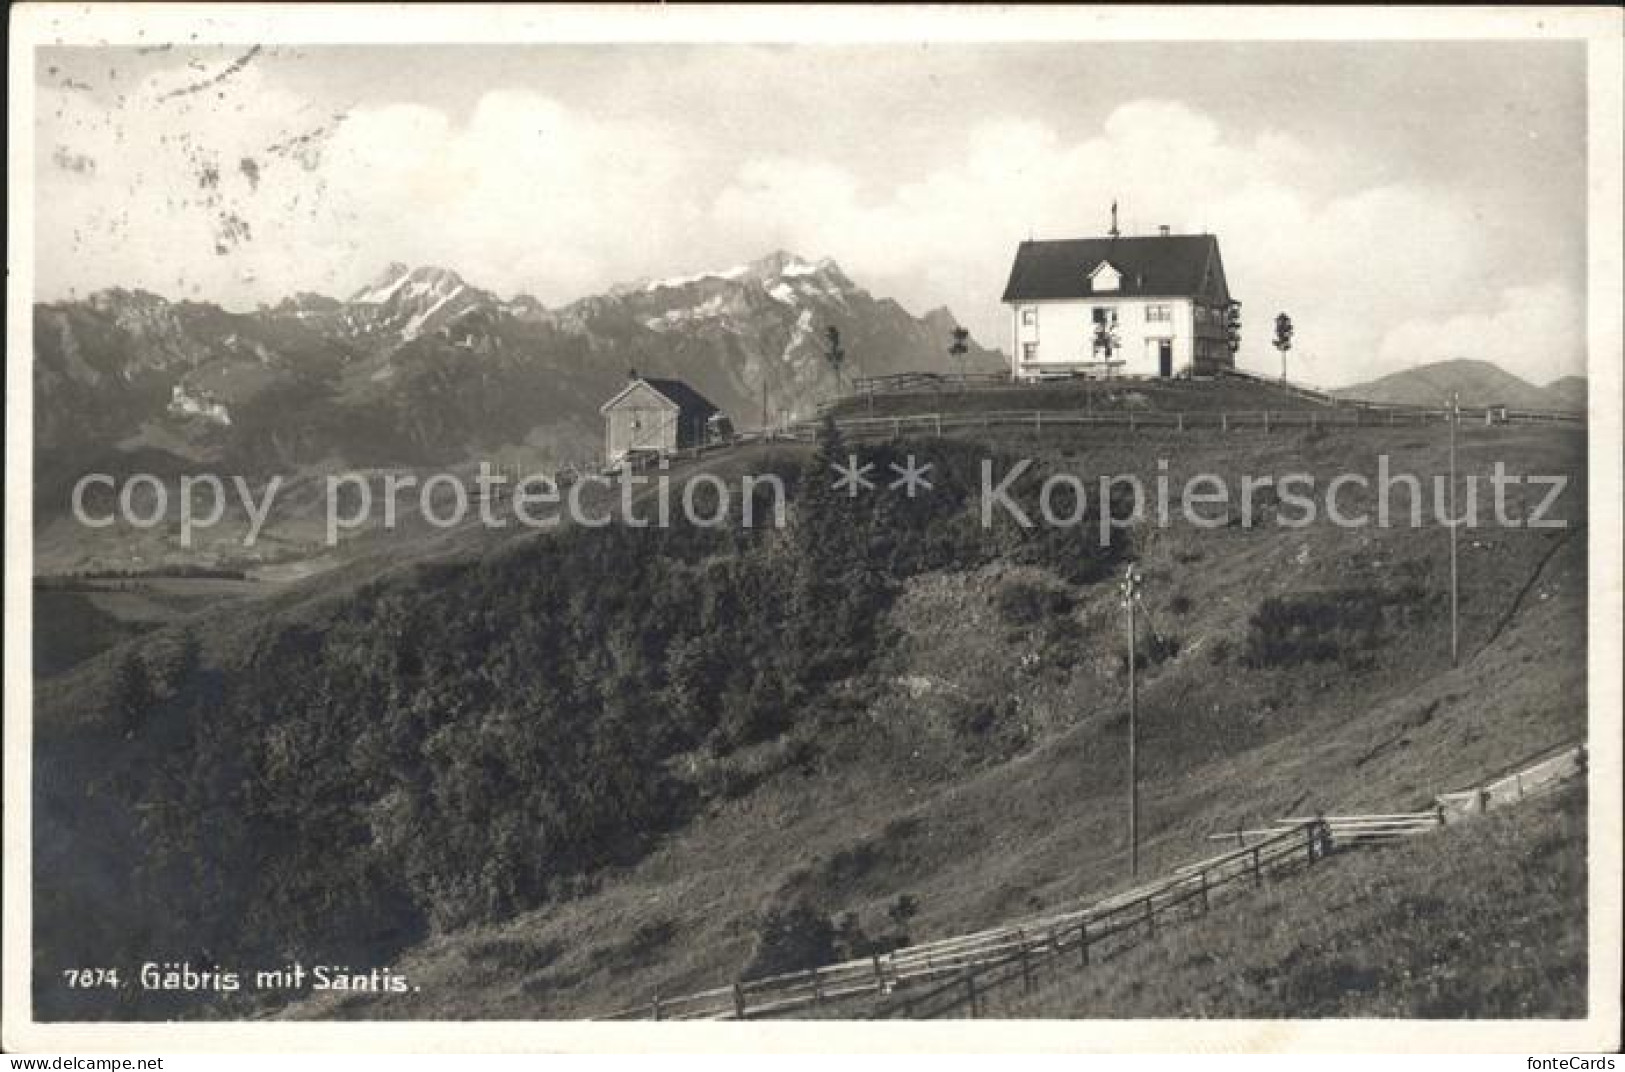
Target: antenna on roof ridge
x,y
1114,232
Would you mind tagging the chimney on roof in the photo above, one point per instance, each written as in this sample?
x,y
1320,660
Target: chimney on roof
x,y
1114,232
1165,230
631,374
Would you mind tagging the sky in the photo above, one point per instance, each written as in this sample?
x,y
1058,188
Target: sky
x,y
1403,202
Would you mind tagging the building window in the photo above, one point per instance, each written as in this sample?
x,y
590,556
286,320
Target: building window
x,y
1029,317
1029,351
1158,314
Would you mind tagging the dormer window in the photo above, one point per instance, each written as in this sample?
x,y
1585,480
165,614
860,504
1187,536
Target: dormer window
x,y
1105,277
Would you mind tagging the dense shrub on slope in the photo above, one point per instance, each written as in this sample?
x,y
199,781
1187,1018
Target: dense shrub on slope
x,y
483,737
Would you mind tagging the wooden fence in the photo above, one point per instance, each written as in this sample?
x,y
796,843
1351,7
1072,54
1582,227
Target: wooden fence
x,y
1083,932
905,382
1102,931
920,382
1569,762
960,974
1346,415
1039,421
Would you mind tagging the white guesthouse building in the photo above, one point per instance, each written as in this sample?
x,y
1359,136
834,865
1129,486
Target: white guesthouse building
x,y
1162,300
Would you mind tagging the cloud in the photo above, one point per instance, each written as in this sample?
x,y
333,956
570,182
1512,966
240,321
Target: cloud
x,y
1348,264
521,193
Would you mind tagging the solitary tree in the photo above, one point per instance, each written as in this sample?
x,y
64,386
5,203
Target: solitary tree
x,y
1283,339
834,354
1105,342
1232,325
959,348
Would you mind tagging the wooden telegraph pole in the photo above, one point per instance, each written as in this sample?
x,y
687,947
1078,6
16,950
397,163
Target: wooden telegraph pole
x,y
1131,597
1455,629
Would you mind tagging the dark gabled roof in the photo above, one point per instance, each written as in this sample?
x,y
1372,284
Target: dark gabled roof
x,y
1161,266
691,405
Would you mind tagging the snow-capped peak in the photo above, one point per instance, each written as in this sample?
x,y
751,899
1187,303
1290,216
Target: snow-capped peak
x,y
766,270
736,272
379,290
409,283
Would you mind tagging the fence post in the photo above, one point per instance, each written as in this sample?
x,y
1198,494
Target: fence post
x,y
817,986
1266,422
1519,777
739,1001
1581,759
970,991
1438,810
1258,873
1224,422
880,976
1083,942
1150,917
654,1007
1309,829
896,428
1038,421
1026,964
938,416
1181,422
1204,891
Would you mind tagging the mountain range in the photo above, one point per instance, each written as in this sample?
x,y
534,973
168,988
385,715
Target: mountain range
x,y
1477,383
423,367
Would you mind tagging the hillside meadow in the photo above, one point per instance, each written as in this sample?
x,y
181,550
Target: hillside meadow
x,y
549,776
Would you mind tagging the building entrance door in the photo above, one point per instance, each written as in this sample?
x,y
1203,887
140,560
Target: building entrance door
x,y
1165,359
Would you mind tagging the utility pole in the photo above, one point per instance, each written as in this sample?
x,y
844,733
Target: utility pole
x,y
1131,597
1455,630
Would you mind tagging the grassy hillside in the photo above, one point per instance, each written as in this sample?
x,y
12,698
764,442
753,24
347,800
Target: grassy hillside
x,y
901,704
982,771
1482,920
1479,383
1140,395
